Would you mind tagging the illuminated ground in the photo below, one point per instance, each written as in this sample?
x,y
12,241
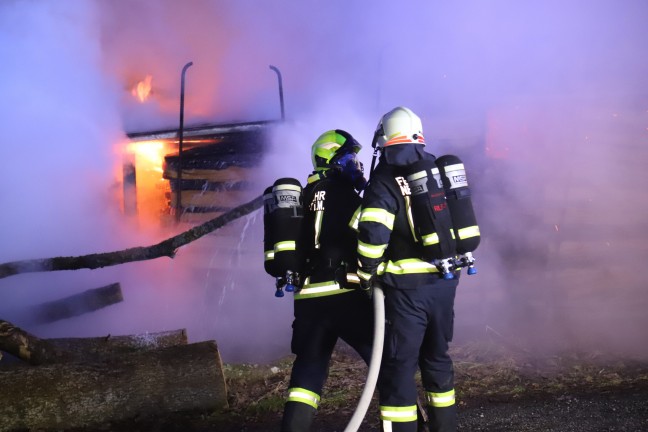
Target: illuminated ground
x,y
498,391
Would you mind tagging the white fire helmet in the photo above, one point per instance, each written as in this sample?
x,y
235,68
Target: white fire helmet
x,y
399,126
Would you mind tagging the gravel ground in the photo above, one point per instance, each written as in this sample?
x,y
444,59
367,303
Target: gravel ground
x,y
564,394
621,410
613,410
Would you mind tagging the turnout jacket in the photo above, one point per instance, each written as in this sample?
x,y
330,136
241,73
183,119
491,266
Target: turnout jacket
x,y
327,239
387,244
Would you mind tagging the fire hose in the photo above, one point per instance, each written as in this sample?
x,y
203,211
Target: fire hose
x,y
378,339
374,363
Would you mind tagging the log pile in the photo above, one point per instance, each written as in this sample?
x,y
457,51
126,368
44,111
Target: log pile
x,y
89,382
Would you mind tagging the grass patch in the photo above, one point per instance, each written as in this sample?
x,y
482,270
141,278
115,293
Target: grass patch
x,y
482,370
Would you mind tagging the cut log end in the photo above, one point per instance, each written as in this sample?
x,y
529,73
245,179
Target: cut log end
x,y
73,395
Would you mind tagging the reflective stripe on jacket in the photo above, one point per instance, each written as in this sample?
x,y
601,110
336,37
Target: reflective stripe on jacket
x,y
387,246
328,242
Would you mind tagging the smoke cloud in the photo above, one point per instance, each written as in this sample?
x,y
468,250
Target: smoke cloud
x,y
546,103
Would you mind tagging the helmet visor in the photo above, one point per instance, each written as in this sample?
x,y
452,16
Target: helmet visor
x,y
349,146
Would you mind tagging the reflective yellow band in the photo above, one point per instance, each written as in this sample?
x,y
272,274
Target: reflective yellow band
x,y
315,177
416,176
410,265
353,278
285,246
454,167
302,395
355,219
377,215
468,232
312,294
363,275
371,251
440,400
430,239
398,414
268,255
287,187
320,289
318,228
410,218
433,238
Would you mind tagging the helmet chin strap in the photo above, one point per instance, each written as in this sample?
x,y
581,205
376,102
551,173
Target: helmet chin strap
x,y
374,143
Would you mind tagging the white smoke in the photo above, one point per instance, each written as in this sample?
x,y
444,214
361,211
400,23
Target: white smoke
x,y
545,102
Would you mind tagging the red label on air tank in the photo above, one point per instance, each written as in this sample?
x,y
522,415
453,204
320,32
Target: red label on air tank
x,y
440,207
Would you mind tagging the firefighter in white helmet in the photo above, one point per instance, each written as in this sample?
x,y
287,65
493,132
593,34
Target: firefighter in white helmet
x,y
419,301
329,305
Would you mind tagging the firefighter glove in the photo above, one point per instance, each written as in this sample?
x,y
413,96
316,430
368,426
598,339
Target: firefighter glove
x,y
367,285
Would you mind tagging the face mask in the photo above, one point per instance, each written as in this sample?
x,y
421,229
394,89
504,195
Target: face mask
x,y
350,167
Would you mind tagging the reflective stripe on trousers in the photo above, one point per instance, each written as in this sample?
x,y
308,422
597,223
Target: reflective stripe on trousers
x,y
302,395
441,400
395,418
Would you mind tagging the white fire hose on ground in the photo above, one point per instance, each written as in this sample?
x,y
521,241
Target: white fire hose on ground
x,y
374,364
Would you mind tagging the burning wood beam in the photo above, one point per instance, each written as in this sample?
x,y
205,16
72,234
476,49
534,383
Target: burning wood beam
x,y
166,248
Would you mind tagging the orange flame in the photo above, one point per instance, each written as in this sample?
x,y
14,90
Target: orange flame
x,y
145,193
149,152
143,88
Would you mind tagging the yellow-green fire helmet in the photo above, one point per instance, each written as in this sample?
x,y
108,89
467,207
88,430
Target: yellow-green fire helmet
x,y
332,143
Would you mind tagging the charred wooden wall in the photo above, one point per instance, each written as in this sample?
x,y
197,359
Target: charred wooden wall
x,y
218,167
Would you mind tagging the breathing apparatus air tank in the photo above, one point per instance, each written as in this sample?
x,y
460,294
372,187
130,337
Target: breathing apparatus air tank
x,y
455,184
284,227
268,241
432,220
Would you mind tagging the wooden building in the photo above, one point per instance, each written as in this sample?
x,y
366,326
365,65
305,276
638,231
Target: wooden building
x,y
215,172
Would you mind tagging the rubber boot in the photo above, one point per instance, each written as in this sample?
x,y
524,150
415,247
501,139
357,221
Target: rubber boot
x,y
297,417
443,419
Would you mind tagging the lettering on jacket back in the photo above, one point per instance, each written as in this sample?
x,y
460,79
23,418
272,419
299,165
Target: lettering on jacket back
x,y
318,201
404,187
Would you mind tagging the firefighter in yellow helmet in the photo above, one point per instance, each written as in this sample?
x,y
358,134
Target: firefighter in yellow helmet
x,y
419,301
329,305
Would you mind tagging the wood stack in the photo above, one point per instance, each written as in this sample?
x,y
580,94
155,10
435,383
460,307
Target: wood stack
x,y
217,174
88,382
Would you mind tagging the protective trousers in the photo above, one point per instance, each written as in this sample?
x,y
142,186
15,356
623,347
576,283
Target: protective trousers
x,y
318,324
419,326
